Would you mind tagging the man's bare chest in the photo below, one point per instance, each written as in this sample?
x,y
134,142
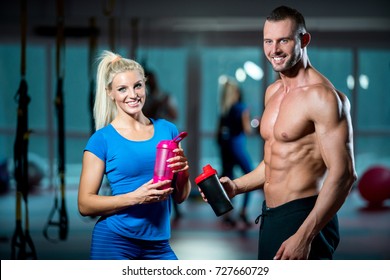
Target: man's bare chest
x,y
286,119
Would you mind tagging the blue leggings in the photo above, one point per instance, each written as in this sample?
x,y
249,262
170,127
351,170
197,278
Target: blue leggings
x,y
233,153
108,245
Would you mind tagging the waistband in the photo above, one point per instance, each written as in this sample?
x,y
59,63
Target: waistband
x,y
291,206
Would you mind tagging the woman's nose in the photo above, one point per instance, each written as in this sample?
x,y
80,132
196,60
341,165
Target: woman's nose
x,y
131,93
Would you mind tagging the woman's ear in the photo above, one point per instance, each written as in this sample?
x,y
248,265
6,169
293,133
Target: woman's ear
x,y
305,39
109,94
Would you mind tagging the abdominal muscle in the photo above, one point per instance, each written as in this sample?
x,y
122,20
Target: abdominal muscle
x,y
293,170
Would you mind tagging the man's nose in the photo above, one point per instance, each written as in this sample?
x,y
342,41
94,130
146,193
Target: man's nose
x,y
275,47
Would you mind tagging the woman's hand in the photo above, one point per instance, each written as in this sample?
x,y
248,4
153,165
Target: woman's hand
x,y
179,162
151,192
179,166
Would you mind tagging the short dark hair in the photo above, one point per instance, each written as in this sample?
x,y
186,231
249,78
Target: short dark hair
x,y
284,12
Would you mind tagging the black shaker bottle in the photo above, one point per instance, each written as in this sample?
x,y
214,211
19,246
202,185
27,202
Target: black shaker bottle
x,y
216,196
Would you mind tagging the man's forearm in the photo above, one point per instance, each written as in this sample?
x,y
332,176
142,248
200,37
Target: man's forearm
x,y
252,180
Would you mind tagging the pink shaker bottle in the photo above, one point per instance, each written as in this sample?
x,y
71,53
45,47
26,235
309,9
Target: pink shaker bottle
x,y
165,150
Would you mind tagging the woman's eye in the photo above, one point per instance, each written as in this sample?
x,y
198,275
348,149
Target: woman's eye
x,y
138,85
122,89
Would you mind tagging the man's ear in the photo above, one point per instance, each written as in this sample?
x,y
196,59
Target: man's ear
x,y
305,39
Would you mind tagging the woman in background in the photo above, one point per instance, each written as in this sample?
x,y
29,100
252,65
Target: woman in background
x,y
233,128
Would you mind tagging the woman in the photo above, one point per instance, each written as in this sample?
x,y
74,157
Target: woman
x,y
233,128
135,219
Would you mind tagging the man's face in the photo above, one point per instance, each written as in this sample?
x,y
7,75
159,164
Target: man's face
x,y
282,45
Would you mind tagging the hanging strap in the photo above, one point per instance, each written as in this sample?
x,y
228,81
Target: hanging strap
x,y
108,9
91,74
21,243
60,38
23,33
62,221
134,38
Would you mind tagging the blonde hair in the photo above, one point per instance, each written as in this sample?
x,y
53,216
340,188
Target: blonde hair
x,y
111,64
230,94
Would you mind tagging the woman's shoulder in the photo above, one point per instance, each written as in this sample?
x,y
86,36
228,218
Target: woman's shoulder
x,y
165,125
240,106
102,133
104,130
163,122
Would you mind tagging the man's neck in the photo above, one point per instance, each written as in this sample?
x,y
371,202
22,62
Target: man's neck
x,y
296,76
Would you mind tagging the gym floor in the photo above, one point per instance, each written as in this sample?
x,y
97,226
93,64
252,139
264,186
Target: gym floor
x,y
198,234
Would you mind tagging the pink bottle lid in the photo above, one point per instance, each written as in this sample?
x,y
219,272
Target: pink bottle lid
x,y
172,144
167,144
207,172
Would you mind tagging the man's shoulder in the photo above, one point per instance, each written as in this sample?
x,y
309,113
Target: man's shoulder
x,y
325,92
275,85
273,88
319,85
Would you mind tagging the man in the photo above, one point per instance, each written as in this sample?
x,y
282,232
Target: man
x,y
308,167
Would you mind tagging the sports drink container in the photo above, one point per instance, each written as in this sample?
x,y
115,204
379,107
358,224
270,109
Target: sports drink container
x,y
165,150
212,188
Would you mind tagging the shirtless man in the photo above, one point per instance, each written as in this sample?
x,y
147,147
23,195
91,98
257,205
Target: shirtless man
x,y
308,167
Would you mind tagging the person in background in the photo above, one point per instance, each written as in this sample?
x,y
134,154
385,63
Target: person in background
x,y
308,168
160,105
233,128
135,219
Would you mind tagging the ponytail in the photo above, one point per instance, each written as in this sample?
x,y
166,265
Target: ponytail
x,y
110,64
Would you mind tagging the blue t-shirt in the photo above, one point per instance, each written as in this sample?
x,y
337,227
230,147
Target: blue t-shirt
x,y
230,125
130,164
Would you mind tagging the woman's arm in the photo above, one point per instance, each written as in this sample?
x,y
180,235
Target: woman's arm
x,y
90,203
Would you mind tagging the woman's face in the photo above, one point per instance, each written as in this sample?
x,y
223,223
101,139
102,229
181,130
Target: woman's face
x,y
128,92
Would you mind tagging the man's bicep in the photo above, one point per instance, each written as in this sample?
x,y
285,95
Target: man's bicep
x,y
333,130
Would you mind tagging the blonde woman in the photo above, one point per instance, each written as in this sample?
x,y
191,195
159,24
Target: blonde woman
x,y
135,219
233,128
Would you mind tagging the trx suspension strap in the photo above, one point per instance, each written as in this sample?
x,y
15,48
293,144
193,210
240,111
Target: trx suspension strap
x,y
108,9
22,245
91,56
62,222
134,38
